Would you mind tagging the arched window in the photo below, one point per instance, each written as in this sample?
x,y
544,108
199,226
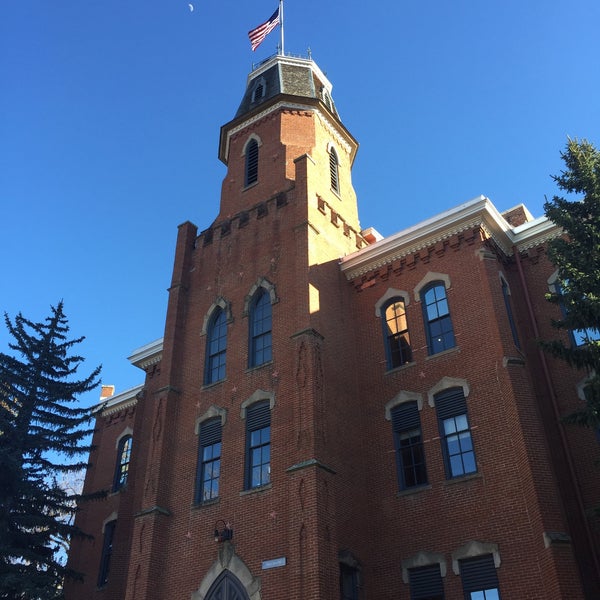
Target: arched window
x,y
395,333
334,170
216,347
123,459
436,315
260,350
107,548
251,163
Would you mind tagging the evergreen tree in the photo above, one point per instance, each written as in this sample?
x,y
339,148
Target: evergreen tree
x,y
577,257
42,437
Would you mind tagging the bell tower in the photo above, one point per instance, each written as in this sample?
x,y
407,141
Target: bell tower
x,y
287,113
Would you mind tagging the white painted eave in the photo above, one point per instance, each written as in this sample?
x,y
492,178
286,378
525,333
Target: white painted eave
x,y
477,212
147,355
119,401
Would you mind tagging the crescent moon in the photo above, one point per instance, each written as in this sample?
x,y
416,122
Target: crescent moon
x,y
191,7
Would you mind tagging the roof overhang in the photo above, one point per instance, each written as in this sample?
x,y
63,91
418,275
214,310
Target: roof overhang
x,y
479,212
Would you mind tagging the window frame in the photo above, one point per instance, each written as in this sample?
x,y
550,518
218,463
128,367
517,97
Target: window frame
x,y
479,578
106,554
447,333
334,170
451,404
426,582
251,163
260,313
121,473
349,582
209,437
509,312
216,335
258,420
393,341
405,418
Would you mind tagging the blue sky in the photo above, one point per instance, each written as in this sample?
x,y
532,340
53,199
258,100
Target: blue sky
x,y
110,114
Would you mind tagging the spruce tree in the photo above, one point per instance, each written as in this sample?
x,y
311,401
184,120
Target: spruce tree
x,y
43,433
577,256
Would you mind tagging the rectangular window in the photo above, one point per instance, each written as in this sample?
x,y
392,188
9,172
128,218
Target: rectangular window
x,y
509,313
258,445
408,445
479,578
348,582
455,432
209,461
426,583
107,548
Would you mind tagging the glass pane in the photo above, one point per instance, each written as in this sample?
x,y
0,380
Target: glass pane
x,y
492,594
266,453
442,307
430,296
456,467
469,462
256,476
466,444
449,426
255,455
255,438
266,435
453,445
461,422
266,474
477,596
207,453
432,312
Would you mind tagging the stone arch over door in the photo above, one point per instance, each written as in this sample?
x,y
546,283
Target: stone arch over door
x,y
228,579
227,587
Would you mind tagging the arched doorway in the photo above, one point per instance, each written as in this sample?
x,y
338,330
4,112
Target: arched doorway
x,y
227,587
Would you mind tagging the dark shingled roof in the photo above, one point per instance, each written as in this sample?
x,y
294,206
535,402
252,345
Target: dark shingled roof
x,y
294,77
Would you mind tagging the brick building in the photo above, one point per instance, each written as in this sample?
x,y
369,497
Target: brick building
x,y
335,415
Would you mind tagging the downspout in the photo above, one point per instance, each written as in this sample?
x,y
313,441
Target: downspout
x,y
557,416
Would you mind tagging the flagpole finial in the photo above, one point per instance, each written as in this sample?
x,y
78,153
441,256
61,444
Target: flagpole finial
x,y
309,53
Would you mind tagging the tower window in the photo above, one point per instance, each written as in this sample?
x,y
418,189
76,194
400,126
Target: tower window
x,y
123,459
455,433
107,548
251,163
436,314
260,350
334,170
258,93
395,331
408,445
258,445
209,461
216,348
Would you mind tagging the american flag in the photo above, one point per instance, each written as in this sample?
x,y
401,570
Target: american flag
x,y
258,34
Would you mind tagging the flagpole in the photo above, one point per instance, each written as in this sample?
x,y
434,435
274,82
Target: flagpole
x,y
281,26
